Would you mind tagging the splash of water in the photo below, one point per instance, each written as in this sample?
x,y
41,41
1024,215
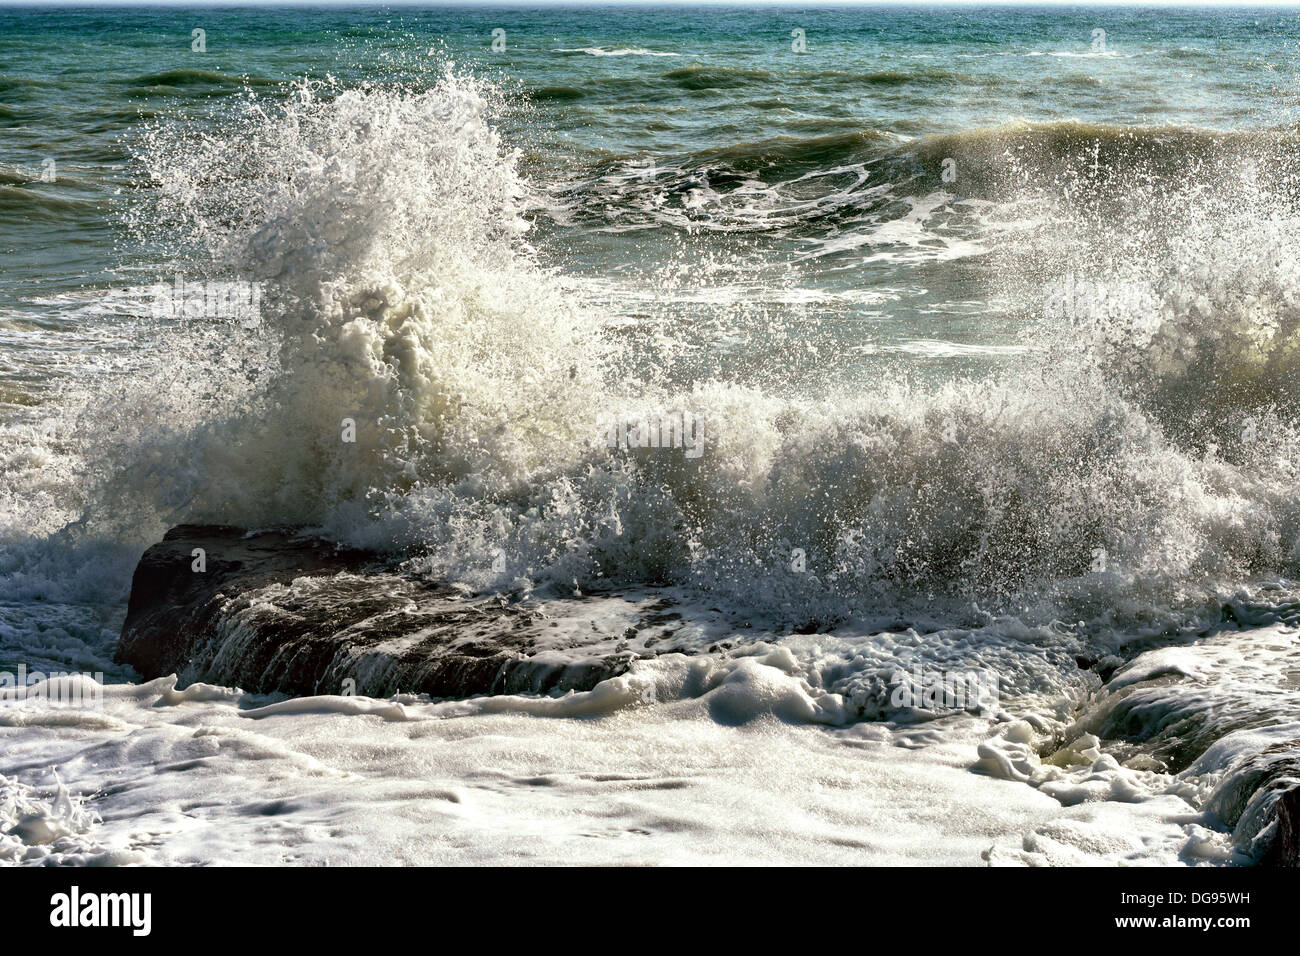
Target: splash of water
x,y
384,225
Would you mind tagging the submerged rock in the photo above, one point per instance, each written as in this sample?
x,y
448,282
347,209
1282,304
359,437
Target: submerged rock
x,y
272,612
1260,800
1224,711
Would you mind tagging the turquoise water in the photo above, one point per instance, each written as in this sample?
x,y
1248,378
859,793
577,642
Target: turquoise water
x,y
785,147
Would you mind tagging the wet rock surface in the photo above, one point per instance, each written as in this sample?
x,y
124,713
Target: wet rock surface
x,y
1224,709
271,612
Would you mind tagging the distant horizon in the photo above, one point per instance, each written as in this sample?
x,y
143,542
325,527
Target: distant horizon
x,y
801,4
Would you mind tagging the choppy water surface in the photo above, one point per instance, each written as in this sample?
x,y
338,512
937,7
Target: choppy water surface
x,y
977,330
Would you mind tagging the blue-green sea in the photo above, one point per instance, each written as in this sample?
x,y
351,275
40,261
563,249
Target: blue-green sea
x,y
769,352
641,124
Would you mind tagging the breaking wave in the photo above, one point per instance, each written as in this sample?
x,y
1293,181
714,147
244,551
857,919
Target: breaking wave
x,y
1135,469
811,186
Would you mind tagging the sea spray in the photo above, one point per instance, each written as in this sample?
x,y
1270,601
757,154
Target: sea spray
x,y
401,298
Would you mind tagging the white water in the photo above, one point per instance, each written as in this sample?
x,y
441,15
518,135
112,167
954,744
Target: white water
x,y
189,778
959,524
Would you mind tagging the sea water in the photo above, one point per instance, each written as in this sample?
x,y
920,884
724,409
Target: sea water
x,y
975,331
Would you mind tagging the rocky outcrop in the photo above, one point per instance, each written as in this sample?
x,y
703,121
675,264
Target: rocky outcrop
x,y
271,612
1260,800
1224,708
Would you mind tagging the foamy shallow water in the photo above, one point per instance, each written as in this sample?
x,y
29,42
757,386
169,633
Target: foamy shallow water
x,y
682,760
193,781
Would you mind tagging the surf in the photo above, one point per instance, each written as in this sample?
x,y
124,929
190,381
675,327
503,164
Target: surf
x,y
388,230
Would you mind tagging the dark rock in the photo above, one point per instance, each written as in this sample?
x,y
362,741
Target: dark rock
x,y
1284,848
274,612
1260,799
1175,709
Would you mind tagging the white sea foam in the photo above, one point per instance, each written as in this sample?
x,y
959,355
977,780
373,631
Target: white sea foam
x,y
341,780
621,51
1115,486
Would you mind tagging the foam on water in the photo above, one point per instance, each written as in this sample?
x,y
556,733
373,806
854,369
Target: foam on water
x,y
1134,470
169,773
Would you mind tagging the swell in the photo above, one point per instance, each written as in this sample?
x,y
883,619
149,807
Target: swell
x,y
997,161
23,198
192,82
706,78
196,77
806,184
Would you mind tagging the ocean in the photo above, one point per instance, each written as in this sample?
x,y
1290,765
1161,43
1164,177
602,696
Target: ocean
x,y
927,377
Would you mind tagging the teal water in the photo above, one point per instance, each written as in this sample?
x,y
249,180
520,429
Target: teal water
x,y
741,133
